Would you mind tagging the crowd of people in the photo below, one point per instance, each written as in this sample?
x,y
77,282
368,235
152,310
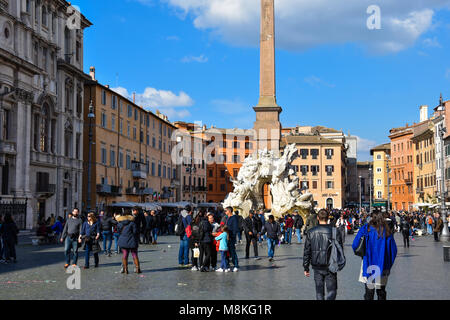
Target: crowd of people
x,y
205,236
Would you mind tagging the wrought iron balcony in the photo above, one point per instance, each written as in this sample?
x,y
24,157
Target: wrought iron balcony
x,y
45,188
139,170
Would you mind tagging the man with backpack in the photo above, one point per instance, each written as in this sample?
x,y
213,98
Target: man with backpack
x,y
324,241
298,225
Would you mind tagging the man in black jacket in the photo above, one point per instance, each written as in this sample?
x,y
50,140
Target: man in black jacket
x,y
252,228
298,225
139,221
317,254
273,230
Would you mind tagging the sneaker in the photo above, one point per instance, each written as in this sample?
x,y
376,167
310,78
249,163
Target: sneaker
x,y
65,266
220,270
235,269
181,265
257,258
227,270
188,265
194,268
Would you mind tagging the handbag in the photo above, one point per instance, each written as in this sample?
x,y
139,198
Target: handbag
x,y
360,250
196,252
337,257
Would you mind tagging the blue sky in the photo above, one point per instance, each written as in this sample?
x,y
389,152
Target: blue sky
x,y
198,60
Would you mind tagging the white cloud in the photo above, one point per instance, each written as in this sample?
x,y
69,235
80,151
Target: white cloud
x,y
302,24
431,43
365,144
316,82
235,106
199,59
164,100
173,38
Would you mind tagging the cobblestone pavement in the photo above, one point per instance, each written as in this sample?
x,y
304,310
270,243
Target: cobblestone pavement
x,y
419,273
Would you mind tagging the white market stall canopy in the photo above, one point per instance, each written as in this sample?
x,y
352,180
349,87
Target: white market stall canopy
x,y
146,206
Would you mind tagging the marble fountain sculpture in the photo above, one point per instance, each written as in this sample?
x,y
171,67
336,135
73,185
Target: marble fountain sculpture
x,y
266,168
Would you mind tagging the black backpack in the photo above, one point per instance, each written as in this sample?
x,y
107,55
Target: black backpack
x,y
196,231
179,227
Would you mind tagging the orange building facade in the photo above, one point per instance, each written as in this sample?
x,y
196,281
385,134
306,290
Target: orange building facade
x,y
402,168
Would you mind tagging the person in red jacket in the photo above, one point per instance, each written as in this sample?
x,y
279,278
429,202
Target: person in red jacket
x,y
288,229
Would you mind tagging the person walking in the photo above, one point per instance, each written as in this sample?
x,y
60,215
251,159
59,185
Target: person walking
x,y
273,231
183,253
232,223
405,227
316,254
312,220
224,240
106,225
429,221
70,235
298,225
116,234
379,257
128,241
241,226
252,229
194,241
289,224
206,240
139,222
156,223
9,232
215,228
262,218
342,224
148,228
438,225
90,234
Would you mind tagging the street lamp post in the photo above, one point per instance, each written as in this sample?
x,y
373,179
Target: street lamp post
x,y
388,183
445,236
91,116
360,187
370,190
226,187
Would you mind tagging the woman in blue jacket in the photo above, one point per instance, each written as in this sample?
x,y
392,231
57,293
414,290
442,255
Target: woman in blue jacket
x,y
380,254
90,231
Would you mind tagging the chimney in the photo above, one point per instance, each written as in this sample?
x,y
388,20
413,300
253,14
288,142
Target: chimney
x,y
134,97
423,113
92,72
107,86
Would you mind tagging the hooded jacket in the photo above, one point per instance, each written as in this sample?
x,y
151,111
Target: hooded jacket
x,y
129,235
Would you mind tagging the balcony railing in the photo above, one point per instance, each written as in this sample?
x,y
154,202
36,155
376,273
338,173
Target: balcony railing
x,y
139,191
408,181
106,189
139,170
45,188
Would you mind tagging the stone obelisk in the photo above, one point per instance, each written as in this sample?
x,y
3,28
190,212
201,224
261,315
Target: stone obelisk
x,y
267,125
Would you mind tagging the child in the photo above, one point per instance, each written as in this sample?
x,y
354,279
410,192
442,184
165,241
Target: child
x,y
223,248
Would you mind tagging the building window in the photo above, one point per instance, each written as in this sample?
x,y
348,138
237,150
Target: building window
x,y
329,184
329,170
113,102
78,51
314,170
103,120
314,153
113,122
314,184
379,170
128,159
120,158
136,115
304,170
104,97
112,158
329,153
103,154
304,153
159,169
222,187
379,182
44,128
129,111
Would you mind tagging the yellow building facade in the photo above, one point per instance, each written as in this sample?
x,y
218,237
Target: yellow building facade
x,y
424,181
381,160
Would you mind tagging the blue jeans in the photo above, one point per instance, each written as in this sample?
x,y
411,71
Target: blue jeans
x,y
288,235
429,229
116,241
299,235
107,237
87,252
239,235
68,247
232,249
155,234
223,260
271,243
183,253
